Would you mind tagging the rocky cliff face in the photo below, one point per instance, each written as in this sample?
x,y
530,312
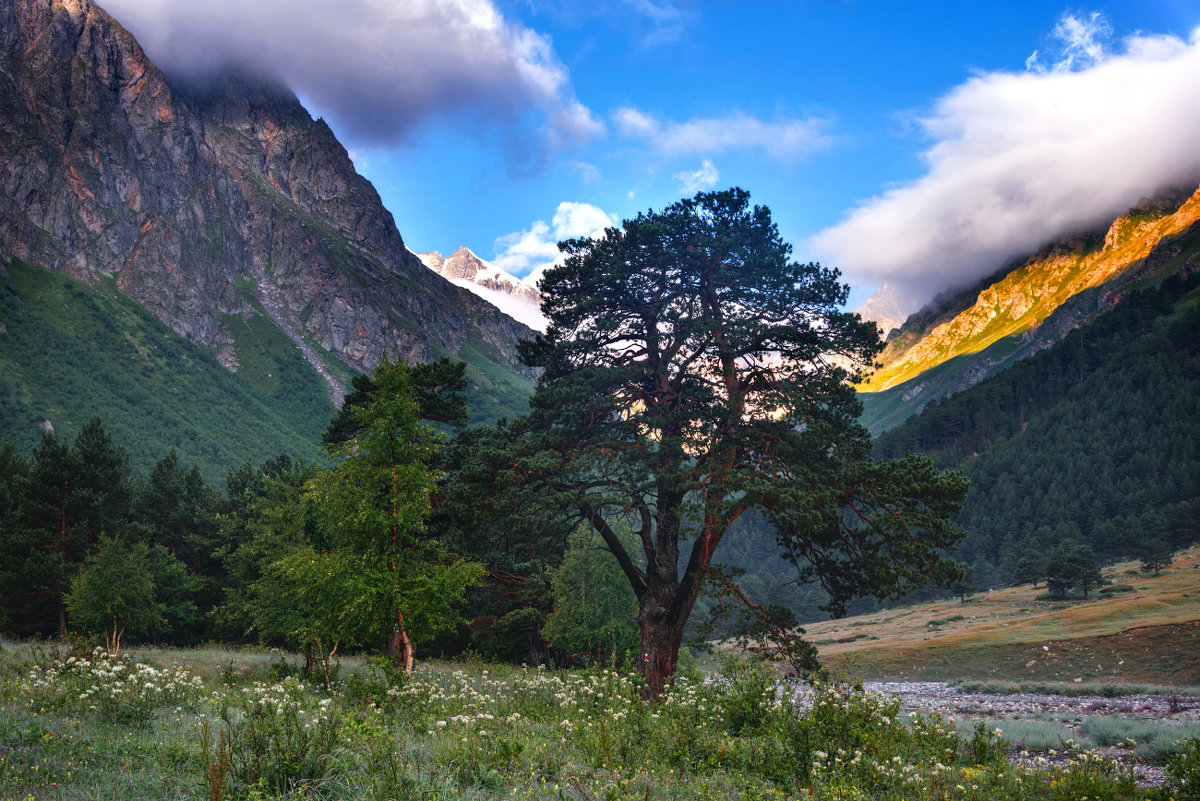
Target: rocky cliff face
x,y
202,203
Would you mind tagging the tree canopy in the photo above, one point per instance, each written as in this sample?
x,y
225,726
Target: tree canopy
x,y
691,372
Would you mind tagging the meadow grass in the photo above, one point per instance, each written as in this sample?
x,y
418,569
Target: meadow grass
x,y
216,723
1142,637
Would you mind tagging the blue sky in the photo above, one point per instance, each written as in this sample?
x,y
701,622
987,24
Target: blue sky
x,y
913,143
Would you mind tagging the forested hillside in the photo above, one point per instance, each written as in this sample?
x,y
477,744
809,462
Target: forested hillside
x,y
1096,439
69,352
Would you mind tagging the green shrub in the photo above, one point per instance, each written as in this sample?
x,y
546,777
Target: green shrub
x,y
1183,771
985,746
276,741
749,692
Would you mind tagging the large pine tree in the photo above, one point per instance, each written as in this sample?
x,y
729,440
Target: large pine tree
x,y
692,372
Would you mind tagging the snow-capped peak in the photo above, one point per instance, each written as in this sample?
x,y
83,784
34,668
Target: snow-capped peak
x,y
508,293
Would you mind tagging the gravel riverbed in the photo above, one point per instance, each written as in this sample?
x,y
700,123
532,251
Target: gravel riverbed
x,y
1068,711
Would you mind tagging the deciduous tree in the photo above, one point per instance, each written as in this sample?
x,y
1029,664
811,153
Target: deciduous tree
x,y
371,509
595,613
114,593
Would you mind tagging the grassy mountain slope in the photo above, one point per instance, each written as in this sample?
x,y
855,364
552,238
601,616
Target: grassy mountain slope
x,y
1150,633
493,392
69,351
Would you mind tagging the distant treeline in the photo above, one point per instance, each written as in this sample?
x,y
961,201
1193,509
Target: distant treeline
x,y
57,503
1095,440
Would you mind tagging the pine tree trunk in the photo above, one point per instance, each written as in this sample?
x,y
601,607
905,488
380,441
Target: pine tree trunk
x,y
663,615
409,652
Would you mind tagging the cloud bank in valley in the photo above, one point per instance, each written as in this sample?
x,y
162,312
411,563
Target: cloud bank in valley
x,y
379,69
1020,159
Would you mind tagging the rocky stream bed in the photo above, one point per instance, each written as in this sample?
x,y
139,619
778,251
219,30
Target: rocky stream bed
x,y
1071,712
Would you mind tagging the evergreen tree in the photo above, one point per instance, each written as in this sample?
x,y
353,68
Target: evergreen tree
x,y
687,378
438,388
51,539
1031,568
966,584
102,486
269,520
179,512
1072,565
1155,555
14,473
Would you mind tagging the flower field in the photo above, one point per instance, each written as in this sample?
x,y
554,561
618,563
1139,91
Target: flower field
x,y
173,725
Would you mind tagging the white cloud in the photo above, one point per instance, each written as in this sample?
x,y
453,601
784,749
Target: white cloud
x,y
378,68
531,252
704,178
518,308
666,18
782,138
519,252
1082,43
588,173
1020,159
635,124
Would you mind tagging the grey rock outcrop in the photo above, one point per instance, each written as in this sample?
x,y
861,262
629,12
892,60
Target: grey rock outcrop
x,y
206,202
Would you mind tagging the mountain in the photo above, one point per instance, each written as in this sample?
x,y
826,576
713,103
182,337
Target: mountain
x,y
960,339
224,209
506,292
1094,439
884,309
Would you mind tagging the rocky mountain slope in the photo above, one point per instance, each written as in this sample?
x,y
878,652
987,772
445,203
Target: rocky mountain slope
x,y
959,340
508,293
212,206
